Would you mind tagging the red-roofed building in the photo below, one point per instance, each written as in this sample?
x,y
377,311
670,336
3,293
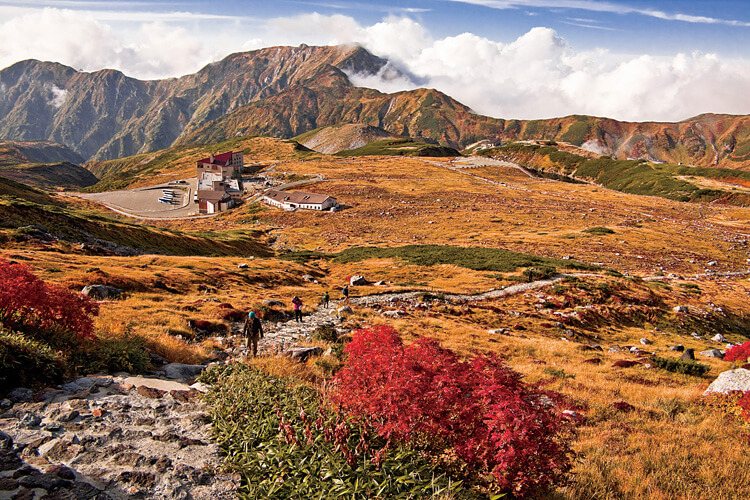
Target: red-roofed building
x,y
227,164
219,182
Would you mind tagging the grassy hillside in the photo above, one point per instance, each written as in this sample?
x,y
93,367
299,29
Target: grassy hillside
x,y
631,176
179,162
50,175
400,147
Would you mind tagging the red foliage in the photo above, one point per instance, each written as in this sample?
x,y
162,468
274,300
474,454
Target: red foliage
x,y
232,315
225,305
478,409
738,353
26,300
624,363
744,403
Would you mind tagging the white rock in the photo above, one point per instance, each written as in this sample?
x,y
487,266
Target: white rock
x,y
732,380
718,338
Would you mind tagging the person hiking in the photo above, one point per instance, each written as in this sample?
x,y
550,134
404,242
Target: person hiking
x,y
253,330
297,309
345,292
326,298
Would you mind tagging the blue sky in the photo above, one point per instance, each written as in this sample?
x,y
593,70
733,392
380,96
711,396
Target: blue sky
x,y
628,59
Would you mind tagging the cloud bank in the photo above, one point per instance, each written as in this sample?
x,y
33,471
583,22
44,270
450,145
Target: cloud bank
x,y
537,75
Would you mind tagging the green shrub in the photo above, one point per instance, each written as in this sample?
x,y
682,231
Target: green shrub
x,y
284,445
680,366
26,362
599,231
326,333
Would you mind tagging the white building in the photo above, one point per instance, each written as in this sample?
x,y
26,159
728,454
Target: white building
x,y
299,199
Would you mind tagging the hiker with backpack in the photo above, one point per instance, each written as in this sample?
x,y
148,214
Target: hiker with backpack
x,y
297,309
253,330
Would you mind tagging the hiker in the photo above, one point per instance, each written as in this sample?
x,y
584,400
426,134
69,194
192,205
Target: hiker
x,y
297,309
253,330
326,298
345,292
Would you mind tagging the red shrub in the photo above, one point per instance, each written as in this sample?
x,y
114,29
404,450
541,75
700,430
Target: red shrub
x,y
624,363
738,353
744,403
232,315
26,300
225,305
478,410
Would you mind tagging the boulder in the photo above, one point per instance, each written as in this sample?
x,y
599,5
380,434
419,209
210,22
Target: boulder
x,y
101,292
645,341
181,371
381,283
242,266
688,355
713,353
718,338
391,314
732,380
680,309
344,310
302,354
20,395
273,303
308,277
678,348
357,281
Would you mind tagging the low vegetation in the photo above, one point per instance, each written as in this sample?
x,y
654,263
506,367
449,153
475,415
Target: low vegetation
x,y
400,147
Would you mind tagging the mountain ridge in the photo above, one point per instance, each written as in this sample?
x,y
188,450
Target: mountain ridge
x,y
287,91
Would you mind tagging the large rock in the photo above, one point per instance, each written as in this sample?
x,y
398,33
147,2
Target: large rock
x,y
303,353
101,292
681,309
357,281
713,353
181,371
688,355
732,380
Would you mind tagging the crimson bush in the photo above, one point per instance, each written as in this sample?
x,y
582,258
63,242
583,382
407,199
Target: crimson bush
x,y
478,410
27,301
738,353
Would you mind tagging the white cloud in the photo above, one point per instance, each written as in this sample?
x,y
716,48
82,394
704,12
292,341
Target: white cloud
x,y
537,75
58,96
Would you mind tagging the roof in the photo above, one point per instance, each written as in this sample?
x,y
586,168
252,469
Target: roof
x,y
297,197
212,195
220,159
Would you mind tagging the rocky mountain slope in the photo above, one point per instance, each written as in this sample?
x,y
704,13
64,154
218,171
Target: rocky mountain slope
x,y
287,91
106,114
50,175
341,137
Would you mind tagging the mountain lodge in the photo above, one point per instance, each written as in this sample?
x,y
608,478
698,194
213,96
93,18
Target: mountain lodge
x,y
299,199
219,182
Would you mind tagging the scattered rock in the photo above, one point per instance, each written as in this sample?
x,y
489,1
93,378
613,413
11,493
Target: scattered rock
x,y
572,416
20,395
678,348
149,392
498,331
183,371
273,303
713,353
243,266
344,310
357,281
380,283
101,292
732,380
646,342
688,355
308,277
718,338
302,354
681,309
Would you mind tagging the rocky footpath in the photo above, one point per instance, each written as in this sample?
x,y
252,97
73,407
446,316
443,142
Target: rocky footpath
x,y
110,437
118,436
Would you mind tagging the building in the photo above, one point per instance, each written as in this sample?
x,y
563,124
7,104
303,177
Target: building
x,y
299,199
227,165
219,182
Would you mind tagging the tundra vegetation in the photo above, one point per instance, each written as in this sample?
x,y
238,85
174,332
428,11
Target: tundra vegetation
x,y
611,416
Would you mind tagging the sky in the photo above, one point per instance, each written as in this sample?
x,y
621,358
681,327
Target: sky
x,y
630,60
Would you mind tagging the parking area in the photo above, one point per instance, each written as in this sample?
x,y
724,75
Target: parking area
x,y
174,199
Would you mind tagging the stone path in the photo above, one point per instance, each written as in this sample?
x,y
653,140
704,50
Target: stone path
x,y
110,438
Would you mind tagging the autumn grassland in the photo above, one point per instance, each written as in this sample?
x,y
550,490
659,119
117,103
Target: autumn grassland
x,y
643,257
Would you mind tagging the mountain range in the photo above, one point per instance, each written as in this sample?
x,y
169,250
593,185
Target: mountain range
x,y
287,91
